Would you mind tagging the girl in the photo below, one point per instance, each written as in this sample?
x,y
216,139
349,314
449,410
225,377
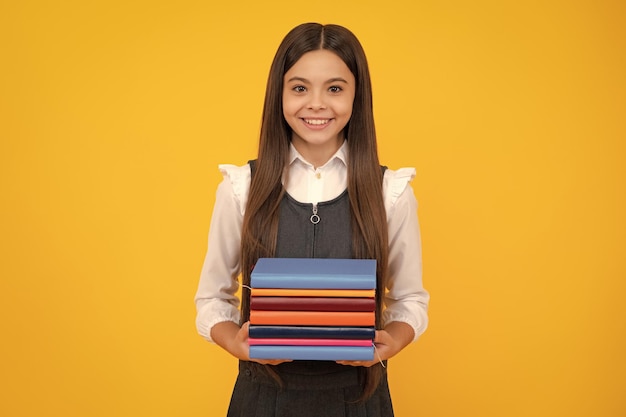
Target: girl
x,y
316,189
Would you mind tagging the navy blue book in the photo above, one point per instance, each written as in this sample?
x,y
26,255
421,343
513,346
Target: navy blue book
x,y
312,353
314,273
312,332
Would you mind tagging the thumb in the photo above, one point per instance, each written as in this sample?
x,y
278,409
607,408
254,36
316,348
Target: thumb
x,y
245,330
381,336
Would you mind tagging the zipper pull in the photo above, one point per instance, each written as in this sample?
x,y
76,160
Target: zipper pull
x,y
315,219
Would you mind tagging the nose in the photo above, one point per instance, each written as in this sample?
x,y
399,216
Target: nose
x,y
316,101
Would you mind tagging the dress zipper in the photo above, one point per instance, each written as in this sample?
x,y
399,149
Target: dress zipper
x,y
315,219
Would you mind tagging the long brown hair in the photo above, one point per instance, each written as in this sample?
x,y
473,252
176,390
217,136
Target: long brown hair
x,y
368,217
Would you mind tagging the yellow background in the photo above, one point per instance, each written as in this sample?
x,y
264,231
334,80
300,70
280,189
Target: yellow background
x,y
114,116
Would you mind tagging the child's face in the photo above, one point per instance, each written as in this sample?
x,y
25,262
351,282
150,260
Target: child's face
x,y
317,103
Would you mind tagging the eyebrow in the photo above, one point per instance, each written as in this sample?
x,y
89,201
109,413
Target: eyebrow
x,y
330,81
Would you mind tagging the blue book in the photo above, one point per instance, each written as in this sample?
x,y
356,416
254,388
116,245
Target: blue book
x,y
312,332
314,273
313,353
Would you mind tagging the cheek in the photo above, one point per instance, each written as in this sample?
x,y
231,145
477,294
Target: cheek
x,y
290,106
346,108
285,102
289,113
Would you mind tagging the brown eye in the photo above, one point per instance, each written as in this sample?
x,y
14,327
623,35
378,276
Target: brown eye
x,y
299,89
335,89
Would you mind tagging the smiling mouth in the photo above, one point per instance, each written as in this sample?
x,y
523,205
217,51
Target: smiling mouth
x,y
316,122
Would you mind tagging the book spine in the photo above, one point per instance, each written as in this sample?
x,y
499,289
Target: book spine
x,y
308,342
313,318
338,282
290,292
329,353
313,303
322,332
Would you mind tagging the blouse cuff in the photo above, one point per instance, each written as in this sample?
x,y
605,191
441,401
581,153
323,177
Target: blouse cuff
x,y
418,328
205,322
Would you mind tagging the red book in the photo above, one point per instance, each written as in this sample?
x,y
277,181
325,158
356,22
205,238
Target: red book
x,y
313,303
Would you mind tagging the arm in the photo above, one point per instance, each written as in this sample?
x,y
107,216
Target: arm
x,y
216,299
217,305
406,302
406,299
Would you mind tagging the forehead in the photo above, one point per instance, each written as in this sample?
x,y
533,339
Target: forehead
x,y
319,64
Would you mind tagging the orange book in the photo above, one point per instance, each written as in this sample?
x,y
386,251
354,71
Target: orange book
x,y
312,318
288,292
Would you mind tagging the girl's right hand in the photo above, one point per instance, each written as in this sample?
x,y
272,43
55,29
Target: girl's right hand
x,y
240,347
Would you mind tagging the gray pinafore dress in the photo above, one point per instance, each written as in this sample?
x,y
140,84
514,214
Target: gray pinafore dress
x,y
309,388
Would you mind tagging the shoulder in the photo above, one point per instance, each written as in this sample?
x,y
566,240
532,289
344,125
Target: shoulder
x,y
237,178
235,172
395,182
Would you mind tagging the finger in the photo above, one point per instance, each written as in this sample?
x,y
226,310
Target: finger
x,y
365,364
272,361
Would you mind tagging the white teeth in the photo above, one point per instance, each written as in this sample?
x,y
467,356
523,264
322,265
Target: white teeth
x,y
316,121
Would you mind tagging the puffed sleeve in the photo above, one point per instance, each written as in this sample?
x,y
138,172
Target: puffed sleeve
x,y
216,299
406,300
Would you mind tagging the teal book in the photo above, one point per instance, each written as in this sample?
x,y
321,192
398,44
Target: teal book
x,y
314,273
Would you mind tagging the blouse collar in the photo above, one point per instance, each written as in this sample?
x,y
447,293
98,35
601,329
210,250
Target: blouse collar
x,y
341,155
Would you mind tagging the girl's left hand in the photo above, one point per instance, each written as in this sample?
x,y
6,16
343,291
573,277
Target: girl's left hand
x,y
388,343
385,349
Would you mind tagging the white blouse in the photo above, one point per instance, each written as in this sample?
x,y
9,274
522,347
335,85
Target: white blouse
x,y
405,299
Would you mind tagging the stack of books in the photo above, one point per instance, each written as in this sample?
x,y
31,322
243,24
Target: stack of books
x,y
313,309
